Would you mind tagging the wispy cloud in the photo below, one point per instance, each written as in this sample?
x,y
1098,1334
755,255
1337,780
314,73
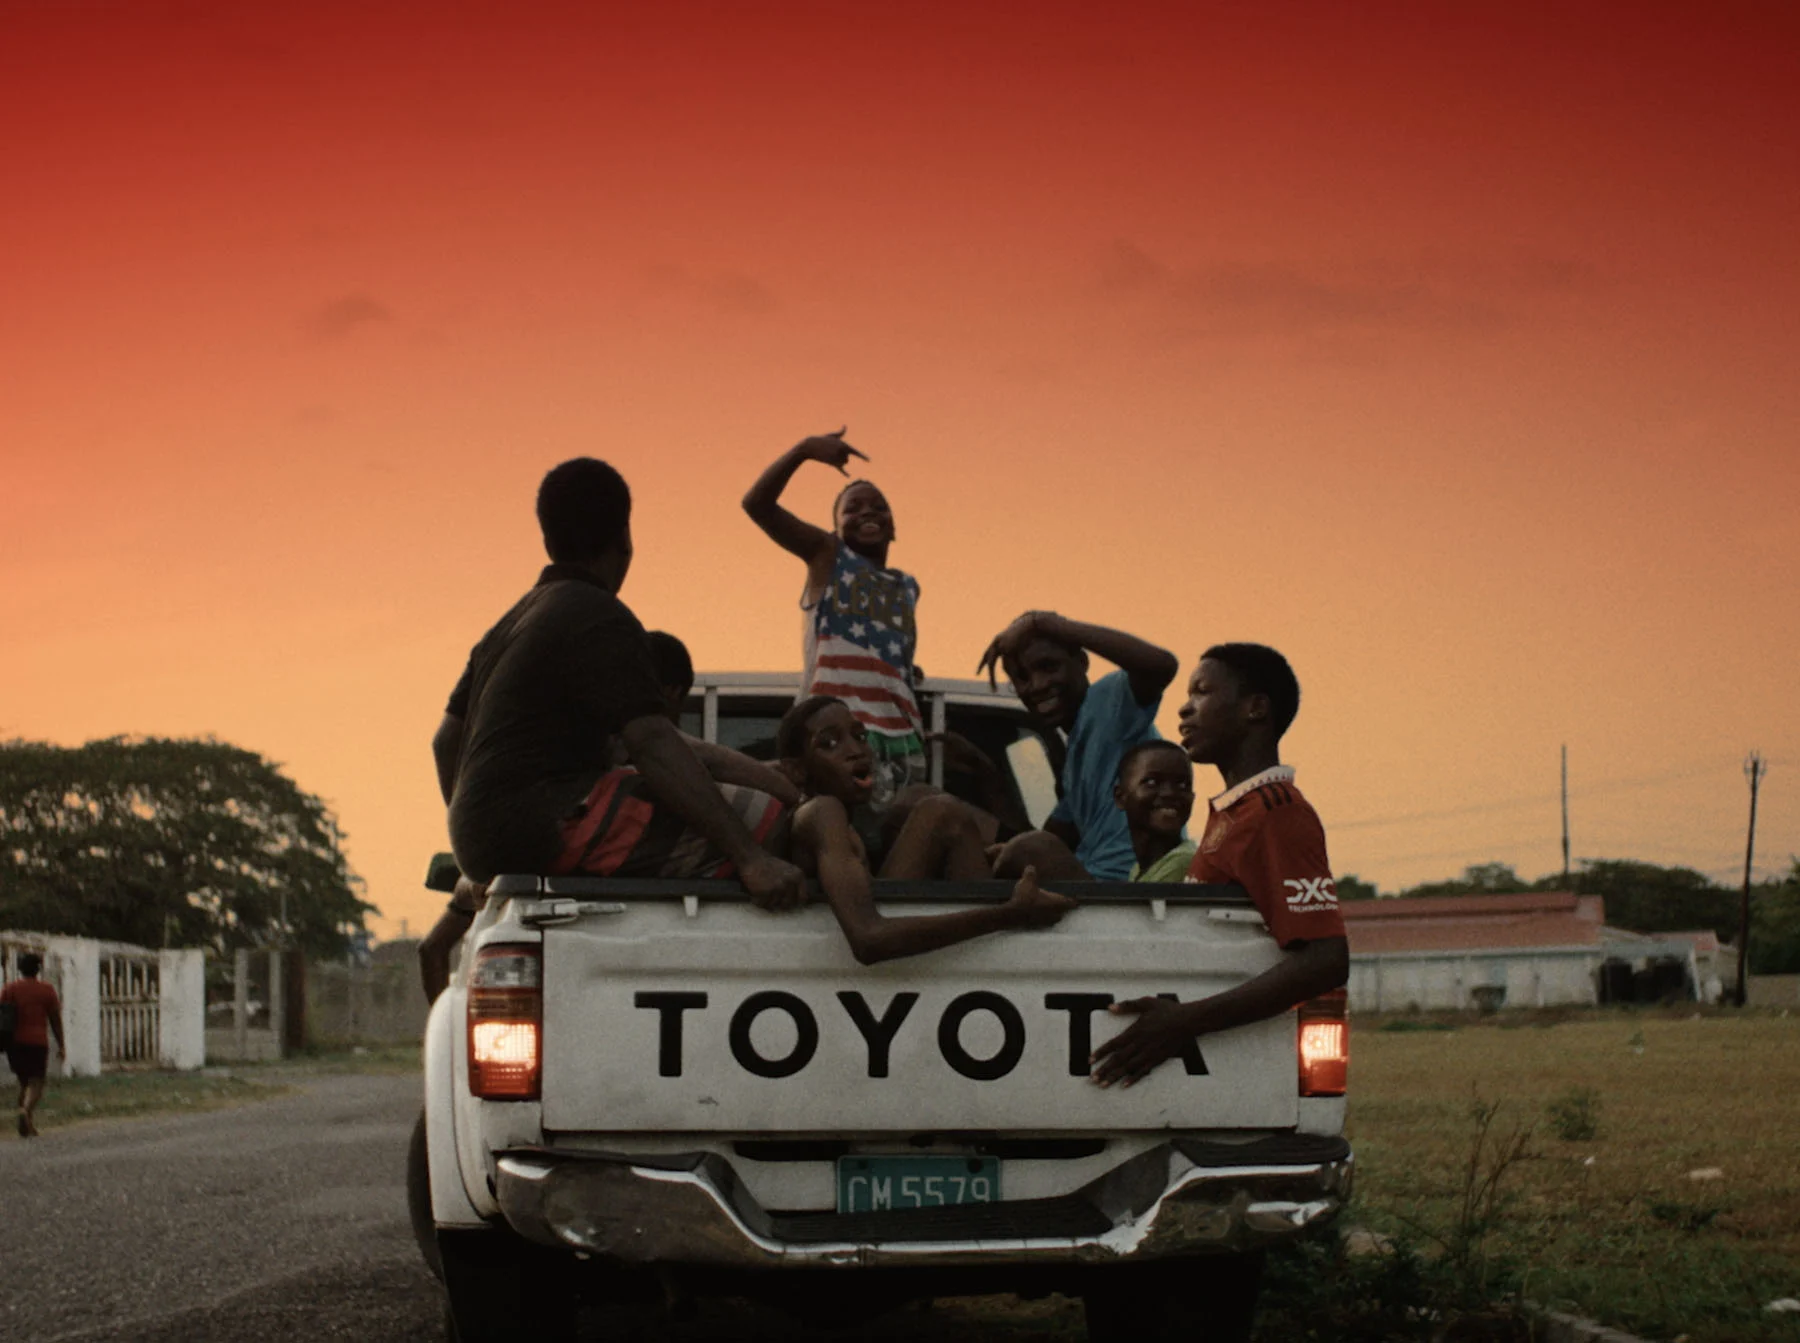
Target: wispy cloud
x,y
1237,298
729,291
343,316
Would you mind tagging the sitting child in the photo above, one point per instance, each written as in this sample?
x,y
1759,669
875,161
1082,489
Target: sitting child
x,y
1155,790
826,749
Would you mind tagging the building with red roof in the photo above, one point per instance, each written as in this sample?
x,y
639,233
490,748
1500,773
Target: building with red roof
x,y
1530,949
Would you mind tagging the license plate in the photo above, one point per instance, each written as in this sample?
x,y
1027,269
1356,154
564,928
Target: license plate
x,y
886,1183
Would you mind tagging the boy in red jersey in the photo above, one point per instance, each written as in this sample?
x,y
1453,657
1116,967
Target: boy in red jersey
x,y
1261,834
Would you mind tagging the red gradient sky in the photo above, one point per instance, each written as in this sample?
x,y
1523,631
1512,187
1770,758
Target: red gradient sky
x,y
1450,348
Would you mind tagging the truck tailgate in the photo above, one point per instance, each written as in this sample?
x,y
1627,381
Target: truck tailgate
x,y
718,1017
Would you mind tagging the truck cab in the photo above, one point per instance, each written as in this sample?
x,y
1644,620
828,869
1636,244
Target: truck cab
x,y
743,709
651,1089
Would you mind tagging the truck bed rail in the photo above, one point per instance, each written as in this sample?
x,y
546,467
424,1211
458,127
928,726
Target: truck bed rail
x,y
512,886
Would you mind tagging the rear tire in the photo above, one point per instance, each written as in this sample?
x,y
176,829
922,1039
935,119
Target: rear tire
x,y
1209,1300
504,1290
418,1199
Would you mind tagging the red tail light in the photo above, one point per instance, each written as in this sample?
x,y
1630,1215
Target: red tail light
x,y
506,1023
1325,1044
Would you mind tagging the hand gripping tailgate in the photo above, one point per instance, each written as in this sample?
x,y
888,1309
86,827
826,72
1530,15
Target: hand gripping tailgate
x,y
672,1016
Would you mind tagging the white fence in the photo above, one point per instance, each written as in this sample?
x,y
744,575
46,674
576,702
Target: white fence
x,y
122,1006
130,1008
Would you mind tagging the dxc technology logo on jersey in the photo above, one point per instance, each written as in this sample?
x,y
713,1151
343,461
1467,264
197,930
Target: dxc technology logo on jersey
x,y
1312,892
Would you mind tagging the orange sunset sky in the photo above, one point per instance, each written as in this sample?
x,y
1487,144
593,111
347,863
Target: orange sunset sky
x,y
1451,348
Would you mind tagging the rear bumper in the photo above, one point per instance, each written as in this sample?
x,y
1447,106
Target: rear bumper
x,y
1185,1197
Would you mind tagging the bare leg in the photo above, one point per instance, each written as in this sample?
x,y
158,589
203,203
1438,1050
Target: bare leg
x,y
34,1092
1042,850
941,837
914,793
895,814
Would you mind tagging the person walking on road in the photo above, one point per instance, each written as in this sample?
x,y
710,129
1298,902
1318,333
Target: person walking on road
x,y
38,1015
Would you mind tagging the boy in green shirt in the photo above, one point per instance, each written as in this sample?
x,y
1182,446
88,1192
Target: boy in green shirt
x,y
1155,790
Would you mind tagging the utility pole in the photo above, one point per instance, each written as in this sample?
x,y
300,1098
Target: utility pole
x,y
1565,805
1754,769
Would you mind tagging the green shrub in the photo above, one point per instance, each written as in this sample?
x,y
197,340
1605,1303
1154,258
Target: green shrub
x,y
1574,1115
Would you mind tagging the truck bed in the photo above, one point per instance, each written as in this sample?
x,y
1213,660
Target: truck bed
x,y
671,1010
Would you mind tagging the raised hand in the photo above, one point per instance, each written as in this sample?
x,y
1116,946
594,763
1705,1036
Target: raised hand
x,y
830,449
1010,640
1160,1031
1035,907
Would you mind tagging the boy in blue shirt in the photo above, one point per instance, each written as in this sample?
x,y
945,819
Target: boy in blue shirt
x,y
1045,655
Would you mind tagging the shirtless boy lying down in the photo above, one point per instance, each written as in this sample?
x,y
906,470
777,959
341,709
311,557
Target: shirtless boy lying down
x,y
824,748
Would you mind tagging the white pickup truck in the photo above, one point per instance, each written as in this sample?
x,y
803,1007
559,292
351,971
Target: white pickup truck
x,y
652,1089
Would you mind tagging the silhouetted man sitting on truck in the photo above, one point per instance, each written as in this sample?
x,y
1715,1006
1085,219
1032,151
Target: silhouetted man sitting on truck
x,y
548,689
675,678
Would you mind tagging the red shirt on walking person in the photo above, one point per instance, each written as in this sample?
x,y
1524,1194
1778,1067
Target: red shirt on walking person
x,y
38,1015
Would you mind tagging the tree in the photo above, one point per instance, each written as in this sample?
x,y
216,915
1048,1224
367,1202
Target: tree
x,y
1352,887
1649,898
1477,879
1775,925
160,842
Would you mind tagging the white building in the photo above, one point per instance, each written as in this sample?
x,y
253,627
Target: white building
x,y
1482,952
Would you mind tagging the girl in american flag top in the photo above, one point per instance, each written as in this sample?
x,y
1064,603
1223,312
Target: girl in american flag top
x,y
860,630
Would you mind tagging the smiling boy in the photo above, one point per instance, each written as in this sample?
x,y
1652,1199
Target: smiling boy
x,y
1262,835
1156,792
826,748
1045,655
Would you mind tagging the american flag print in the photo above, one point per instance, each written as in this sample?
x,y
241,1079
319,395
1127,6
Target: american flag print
x,y
860,639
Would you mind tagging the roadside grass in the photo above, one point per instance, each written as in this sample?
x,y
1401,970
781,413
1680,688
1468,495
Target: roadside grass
x,y
336,1057
128,1095
125,1095
1672,1211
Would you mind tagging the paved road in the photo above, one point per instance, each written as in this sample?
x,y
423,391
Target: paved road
x,y
284,1219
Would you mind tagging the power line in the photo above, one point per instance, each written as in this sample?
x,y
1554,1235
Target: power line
x,y
1524,800
1662,854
